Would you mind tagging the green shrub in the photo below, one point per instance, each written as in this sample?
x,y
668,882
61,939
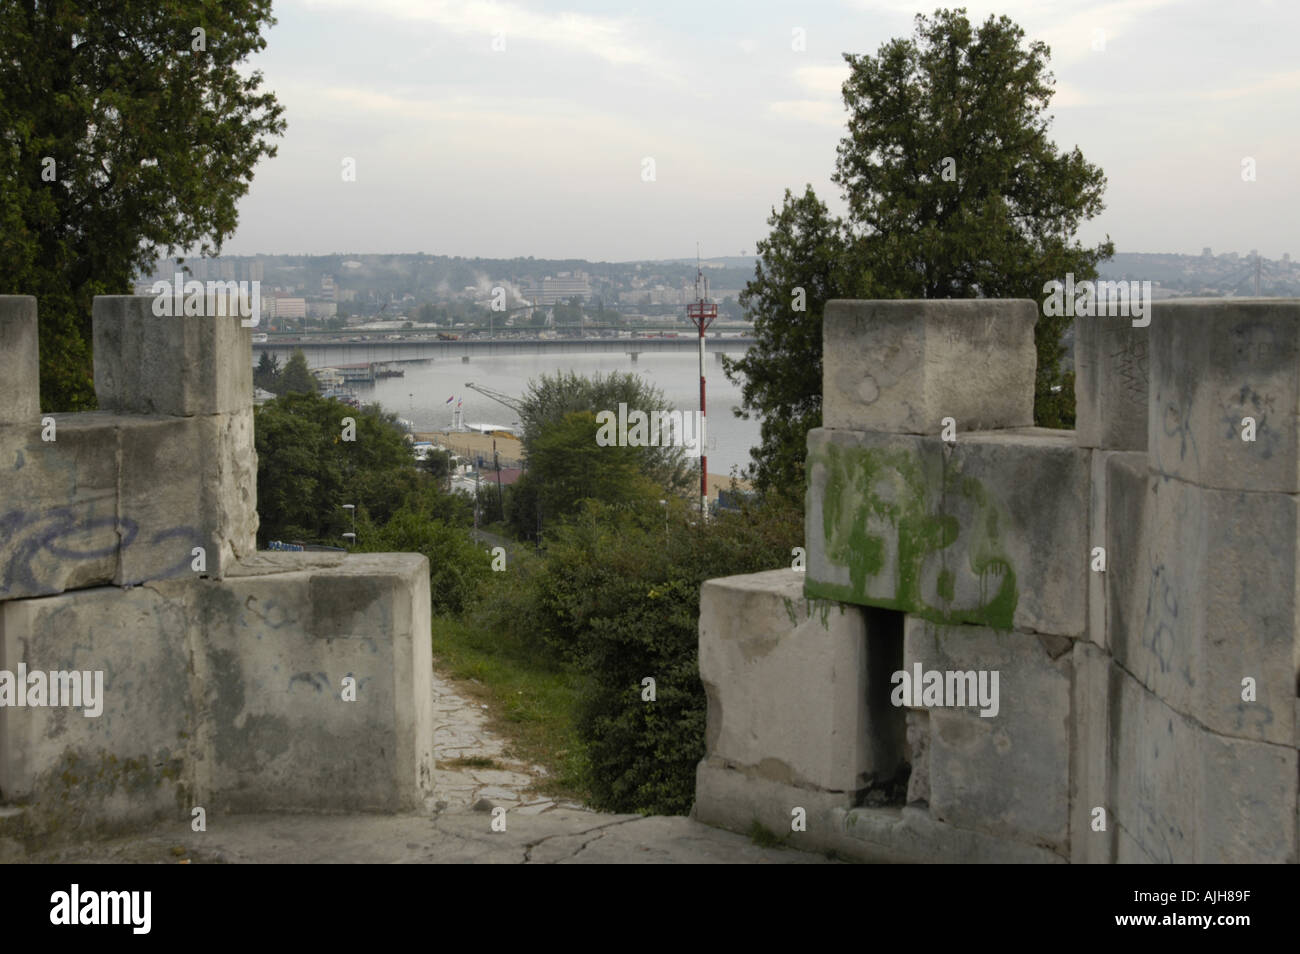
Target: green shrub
x,y
458,567
619,598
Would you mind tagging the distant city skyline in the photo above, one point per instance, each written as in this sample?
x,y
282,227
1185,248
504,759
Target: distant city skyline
x,y
536,147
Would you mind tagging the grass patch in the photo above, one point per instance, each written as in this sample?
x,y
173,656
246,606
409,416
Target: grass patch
x,y
531,701
471,761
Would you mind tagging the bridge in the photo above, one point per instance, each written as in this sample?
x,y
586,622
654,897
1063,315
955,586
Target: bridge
x,y
330,353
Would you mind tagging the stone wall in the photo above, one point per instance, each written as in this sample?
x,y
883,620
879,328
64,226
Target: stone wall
x,y
223,668
1146,705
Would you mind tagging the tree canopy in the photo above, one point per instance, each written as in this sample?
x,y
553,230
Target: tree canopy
x,y
126,130
954,190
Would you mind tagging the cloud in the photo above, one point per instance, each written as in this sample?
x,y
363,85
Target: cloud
x,y
822,79
1278,81
817,111
608,39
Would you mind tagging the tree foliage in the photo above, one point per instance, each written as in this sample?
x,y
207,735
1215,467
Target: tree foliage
x,y
306,472
567,466
267,373
296,378
619,598
954,190
120,138
549,398
800,267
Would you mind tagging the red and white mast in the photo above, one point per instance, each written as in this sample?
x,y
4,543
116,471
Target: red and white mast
x,y
702,313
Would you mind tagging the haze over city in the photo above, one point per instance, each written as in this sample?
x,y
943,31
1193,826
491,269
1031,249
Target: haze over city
x,y
502,129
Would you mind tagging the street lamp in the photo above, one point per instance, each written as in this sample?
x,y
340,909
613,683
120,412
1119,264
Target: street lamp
x,y
352,509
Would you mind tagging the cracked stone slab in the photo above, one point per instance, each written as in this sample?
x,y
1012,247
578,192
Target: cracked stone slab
x,y
457,837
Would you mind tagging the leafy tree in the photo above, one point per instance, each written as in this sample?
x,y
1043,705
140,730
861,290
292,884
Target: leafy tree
x,y
306,471
267,373
799,268
953,187
296,378
549,398
953,191
120,135
567,466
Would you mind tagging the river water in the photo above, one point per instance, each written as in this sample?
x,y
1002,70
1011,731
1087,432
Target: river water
x,y
421,395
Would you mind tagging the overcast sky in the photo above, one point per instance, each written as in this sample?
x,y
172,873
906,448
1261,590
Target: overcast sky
x,y
538,149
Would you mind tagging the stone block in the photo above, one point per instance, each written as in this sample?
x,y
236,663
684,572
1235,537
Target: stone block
x,y
734,797
88,775
1112,377
187,482
992,530
20,382
910,836
58,506
903,366
180,366
1090,756
1005,774
1214,603
787,683
1215,362
278,647
1185,795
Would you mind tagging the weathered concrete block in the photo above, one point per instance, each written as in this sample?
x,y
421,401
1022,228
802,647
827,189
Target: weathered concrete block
x,y
1005,774
787,683
281,734
910,836
133,762
918,757
1184,795
182,366
734,797
58,506
1127,486
903,366
187,482
991,531
1112,376
1215,603
1090,756
1215,362
229,475
20,383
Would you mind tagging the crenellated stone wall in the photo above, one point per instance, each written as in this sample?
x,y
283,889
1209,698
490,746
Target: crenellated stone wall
x,y
223,670
1132,584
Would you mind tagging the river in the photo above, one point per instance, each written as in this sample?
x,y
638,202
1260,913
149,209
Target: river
x,y
421,395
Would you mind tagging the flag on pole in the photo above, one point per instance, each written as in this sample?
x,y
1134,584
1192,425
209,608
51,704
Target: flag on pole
x,y
449,400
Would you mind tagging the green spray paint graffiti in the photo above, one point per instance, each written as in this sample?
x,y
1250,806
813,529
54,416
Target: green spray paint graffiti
x,y
913,534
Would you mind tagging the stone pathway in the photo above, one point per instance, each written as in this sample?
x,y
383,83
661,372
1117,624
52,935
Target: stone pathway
x,y
472,766
459,830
